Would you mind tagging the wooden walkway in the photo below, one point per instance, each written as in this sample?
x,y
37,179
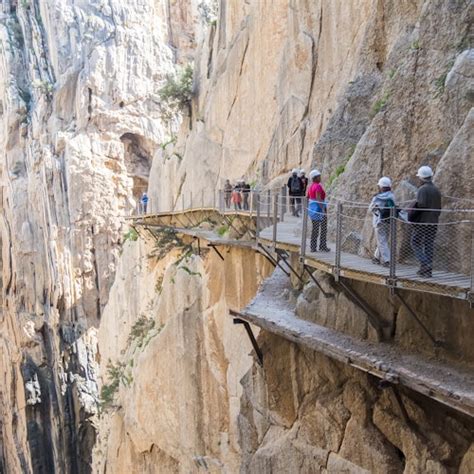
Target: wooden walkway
x,y
289,235
448,383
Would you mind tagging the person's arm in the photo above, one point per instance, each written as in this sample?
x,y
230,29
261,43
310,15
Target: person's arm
x,y
289,183
422,198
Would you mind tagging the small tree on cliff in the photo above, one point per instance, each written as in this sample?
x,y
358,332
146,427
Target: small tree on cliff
x,y
177,92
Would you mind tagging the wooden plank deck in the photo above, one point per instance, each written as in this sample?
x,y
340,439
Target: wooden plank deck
x,y
289,235
449,383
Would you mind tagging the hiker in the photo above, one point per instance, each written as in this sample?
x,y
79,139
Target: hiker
x,y
245,195
295,190
237,197
144,203
317,211
381,206
305,181
227,193
425,215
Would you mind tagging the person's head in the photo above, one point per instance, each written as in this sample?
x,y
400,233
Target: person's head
x,y
425,174
227,181
144,194
302,173
294,171
385,184
315,176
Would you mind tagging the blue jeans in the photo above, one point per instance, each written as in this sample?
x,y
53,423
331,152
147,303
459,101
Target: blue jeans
x,y
422,243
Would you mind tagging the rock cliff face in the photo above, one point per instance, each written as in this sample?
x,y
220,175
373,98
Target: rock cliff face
x,y
358,88
79,127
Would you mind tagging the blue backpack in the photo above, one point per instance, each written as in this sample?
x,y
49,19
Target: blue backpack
x,y
316,210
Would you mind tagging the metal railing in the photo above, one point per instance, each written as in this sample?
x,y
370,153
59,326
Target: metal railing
x,y
349,236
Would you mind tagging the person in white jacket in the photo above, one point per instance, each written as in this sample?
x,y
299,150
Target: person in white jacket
x,y
380,206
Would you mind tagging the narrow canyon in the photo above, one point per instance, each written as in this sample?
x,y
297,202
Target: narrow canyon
x,y
147,325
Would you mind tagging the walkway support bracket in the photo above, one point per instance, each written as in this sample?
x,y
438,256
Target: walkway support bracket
x,y
269,257
435,342
213,247
374,318
316,282
248,328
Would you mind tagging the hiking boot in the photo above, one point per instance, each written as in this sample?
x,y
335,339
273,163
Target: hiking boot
x,y
376,261
325,249
386,264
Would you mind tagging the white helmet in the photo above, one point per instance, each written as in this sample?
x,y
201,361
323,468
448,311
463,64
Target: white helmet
x,y
385,182
425,172
314,173
294,171
302,171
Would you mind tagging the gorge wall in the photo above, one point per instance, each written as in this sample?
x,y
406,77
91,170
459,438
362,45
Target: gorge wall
x,y
358,88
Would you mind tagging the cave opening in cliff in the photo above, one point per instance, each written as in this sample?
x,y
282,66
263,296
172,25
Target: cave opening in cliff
x,y
138,156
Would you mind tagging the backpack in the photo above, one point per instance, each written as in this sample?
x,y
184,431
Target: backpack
x,y
385,211
296,186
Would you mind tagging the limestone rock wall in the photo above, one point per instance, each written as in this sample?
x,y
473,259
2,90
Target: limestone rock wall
x,y
368,87
176,409
79,129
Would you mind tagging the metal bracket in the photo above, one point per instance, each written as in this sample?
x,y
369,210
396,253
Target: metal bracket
x,y
251,336
374,318
269,257
213,247
284,256
435,342
316,282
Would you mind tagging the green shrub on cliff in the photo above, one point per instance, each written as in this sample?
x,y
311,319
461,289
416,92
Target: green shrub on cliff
x,y
177,91
116,375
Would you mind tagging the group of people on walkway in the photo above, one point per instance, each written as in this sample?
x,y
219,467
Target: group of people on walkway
x,y
423,213
237,195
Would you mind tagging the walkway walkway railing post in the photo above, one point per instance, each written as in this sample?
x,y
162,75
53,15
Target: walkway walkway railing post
x,y
269,204
182,202
471,294
305,229
338,240
257,224
393,248
202,199
283,203
275,218
190,200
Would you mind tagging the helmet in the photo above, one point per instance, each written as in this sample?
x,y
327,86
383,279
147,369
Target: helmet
x,y
294,170
385,182
425,172
302,171
314,173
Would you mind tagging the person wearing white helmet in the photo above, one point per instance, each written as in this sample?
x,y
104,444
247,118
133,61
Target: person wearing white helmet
x,y
296,192
425,215
317,212
381,207
305,180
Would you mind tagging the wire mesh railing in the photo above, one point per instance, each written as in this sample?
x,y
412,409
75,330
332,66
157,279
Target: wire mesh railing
x,y
436,248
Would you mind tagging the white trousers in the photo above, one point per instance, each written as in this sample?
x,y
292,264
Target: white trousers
x,y
382,233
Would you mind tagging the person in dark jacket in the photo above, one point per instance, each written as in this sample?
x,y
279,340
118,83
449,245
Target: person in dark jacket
x,y
246,195
295,190
425,216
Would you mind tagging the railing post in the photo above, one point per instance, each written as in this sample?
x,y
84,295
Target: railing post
x,y
282,203
338,241
269,204
393,247
214,199
471,294
304,233
182,201
257,224
275,218
190,200
251,202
